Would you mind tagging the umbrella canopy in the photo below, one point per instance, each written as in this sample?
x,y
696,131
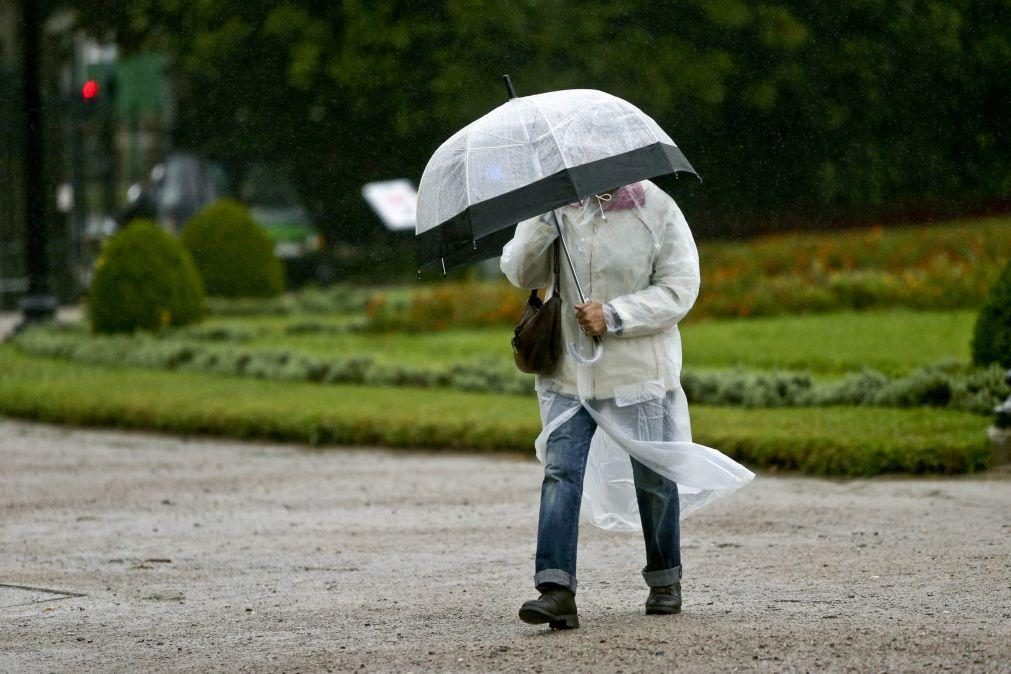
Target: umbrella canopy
x,y
527,157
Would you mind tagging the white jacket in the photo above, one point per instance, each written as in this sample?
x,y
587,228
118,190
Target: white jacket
x,y
643,262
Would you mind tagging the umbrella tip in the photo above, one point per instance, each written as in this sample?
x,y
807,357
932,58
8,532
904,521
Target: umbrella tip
x,y
509,86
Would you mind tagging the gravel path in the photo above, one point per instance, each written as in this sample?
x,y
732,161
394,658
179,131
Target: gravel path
x,y
202,555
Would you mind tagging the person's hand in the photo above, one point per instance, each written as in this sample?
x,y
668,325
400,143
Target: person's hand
x,y
591,318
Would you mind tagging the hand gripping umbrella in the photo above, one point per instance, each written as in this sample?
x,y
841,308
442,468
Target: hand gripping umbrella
x,y
527,157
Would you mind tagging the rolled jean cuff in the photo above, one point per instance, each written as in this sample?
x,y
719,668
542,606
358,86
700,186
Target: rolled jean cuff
x,y
555,577
662,578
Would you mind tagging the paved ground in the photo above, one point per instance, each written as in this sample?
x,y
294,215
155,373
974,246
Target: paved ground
x,y
204,555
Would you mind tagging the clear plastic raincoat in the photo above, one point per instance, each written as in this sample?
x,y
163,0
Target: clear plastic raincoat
x,y
635,254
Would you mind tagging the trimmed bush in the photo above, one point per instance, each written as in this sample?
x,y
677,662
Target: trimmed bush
x,y
833,440
336,299
144,280
234,255
991,341
943,385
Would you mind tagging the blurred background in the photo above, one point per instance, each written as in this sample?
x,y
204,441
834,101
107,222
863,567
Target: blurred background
x,y
852,221
797,117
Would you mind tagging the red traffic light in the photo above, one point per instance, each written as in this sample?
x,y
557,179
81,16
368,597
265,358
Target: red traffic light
x,y
89,91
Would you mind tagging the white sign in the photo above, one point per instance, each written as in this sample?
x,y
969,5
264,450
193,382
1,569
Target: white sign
x,y
65,198
394,201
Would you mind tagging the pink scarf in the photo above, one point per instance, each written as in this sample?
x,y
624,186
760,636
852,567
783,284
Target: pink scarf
x,y
628,196
623,198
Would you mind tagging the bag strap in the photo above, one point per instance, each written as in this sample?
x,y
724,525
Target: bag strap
x,y
556,268
555,255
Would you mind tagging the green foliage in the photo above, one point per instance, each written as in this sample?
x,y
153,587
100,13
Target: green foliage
x,y
824,441
846,440
225,352
827,344
991,341
335,299
945,266
216,332
940,385
234,255
830,343
144,280
780,105
221,351
447,305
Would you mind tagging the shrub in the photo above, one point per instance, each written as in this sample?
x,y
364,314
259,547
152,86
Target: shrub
x,y
250,306
949,385
923,387
991,341
981,390
854,389
746,389
217,333
144,280
234,255
836,440
335,299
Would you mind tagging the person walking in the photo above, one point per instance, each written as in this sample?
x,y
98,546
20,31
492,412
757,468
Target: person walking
x,y
622,422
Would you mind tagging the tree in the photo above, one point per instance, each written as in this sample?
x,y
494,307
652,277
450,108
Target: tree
x,y
783,106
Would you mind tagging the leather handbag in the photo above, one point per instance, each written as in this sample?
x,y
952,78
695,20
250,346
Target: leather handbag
x,y
537,339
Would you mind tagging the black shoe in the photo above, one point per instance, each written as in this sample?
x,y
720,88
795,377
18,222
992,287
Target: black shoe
x,y
556,606
664,600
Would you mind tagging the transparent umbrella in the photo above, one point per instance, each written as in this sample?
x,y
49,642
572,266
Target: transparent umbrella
x,y
527,157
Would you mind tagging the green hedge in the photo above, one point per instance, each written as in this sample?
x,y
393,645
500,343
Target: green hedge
x,y
336,299
144,280
991,341
943,385
234,255
824,441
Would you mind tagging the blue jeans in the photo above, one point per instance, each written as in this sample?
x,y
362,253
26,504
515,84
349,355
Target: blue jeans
x,y
561,495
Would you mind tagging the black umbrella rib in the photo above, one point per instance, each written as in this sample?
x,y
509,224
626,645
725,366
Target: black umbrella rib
x,y
458,240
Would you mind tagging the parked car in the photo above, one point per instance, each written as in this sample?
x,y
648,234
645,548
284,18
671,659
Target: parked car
x,y
296,242
275,204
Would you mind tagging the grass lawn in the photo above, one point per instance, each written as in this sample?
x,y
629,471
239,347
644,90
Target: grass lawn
x,y
892,341
841,441
429,349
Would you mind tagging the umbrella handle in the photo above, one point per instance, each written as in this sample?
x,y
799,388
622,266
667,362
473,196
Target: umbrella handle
x,y
598,351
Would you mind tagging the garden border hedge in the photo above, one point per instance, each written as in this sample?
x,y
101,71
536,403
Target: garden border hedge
x,y
823,441
197,349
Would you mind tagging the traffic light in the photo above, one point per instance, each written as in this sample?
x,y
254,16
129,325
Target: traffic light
x,y
89,92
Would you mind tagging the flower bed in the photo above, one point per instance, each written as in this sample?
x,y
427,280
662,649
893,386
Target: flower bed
x,y
945,266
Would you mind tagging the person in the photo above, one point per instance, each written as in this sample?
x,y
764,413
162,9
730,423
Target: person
x,y
622,422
